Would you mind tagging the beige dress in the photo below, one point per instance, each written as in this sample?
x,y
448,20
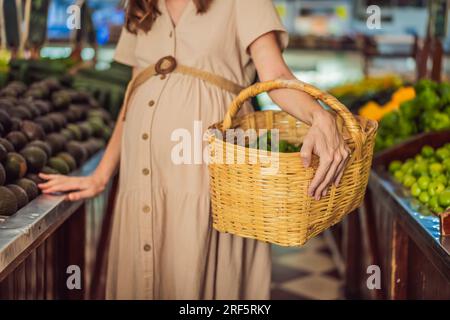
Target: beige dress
x,y
163,245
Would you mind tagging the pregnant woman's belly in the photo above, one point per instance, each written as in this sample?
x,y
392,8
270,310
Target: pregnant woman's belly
x,y
164,133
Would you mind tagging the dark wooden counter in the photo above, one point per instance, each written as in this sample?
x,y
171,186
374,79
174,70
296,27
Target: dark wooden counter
x,y
40,241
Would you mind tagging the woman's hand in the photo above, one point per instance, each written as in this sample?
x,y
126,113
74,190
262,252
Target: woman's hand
x,y
77,187
324,140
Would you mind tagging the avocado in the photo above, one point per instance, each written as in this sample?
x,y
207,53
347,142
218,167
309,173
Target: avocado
x,y
18,139
44,146
34,111
16,124
52,84
78,111
43,105
45,123
19,86
86,130
48,170
7,103
2,175
94,145
76,131
3,153
78,152
36,158
59,120
97,127
8,145
20,194
67,134
61,99
15,166
32,130
5,120
8,202
106,134
35,178
67,157
29,186
102,113
20,112
59,165
71,116
9,92
56,141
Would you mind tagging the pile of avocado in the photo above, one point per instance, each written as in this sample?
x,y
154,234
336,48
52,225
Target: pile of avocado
x,y
264,142
45,127
429,111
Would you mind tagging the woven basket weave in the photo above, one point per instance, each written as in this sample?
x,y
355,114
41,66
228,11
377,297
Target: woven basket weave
x,y
276,208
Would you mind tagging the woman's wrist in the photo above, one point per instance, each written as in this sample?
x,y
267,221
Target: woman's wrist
x,y
321,116
101,178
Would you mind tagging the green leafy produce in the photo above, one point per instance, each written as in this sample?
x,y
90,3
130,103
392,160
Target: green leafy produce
x,y
428,111
264,142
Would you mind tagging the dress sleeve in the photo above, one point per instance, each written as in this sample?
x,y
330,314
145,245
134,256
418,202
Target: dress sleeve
x,y
256,18
125,49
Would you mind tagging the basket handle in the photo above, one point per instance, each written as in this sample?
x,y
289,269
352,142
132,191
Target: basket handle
x,y
350,122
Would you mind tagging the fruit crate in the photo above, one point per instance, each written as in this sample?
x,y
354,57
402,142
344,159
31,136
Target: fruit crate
x,y
403,151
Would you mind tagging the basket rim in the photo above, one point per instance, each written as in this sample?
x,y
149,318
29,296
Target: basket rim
x,y
368,131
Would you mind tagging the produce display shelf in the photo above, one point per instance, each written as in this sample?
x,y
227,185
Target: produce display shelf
x,y
43,214
413,210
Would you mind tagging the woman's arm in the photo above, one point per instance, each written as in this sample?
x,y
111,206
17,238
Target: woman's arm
x,y
87,187
323,139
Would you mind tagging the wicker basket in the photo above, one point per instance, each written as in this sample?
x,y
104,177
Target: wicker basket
x,y
275,208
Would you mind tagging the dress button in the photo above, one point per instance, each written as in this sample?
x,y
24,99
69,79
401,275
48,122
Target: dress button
x,y
163,77
147,247
145,172
151,103
145,136
171,34
146,209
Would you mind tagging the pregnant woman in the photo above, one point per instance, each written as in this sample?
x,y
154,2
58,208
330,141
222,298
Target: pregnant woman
x,y
162,244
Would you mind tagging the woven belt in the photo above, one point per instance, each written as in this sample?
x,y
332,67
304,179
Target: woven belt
x,y
168,65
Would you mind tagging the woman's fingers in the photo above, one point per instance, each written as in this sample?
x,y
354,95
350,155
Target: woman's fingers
x,y
61,184
321,173
307,151
64,187
322,189
75,196
341,169
48,176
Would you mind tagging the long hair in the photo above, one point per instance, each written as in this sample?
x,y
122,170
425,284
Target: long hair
x,y
141,14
